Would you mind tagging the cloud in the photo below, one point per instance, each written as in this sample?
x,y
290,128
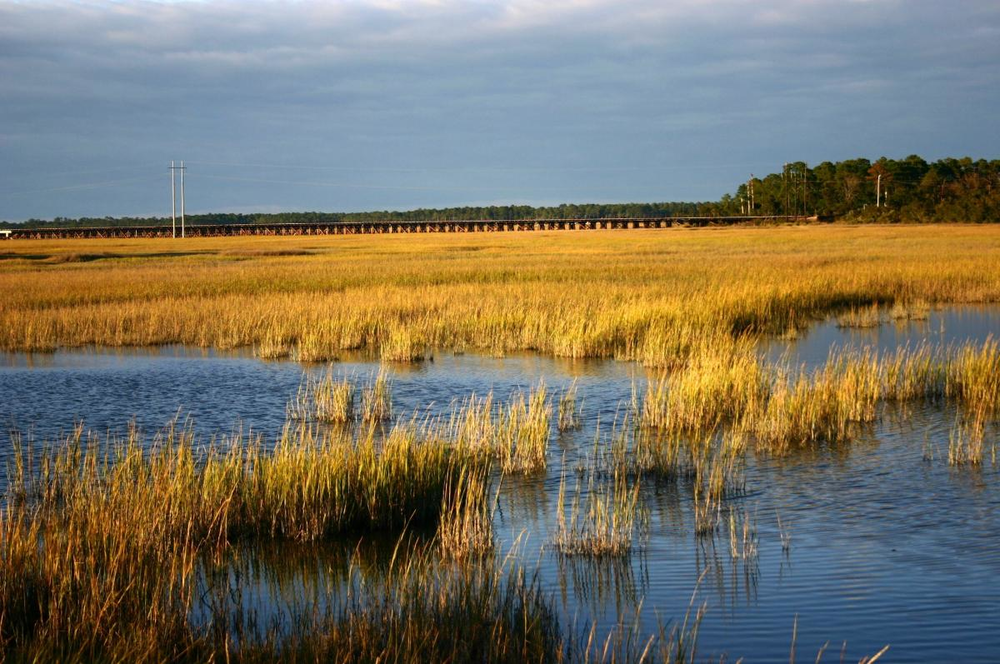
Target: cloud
x,y
519,84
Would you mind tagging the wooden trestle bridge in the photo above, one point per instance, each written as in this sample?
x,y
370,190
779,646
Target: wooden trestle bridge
x,y
379,227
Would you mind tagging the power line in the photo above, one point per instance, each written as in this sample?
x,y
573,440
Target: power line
x,y
353,185
87,171
77,187
513,169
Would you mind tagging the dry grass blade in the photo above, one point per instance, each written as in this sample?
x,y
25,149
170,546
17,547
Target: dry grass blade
x,y
861,317
523,431
466,527
569,416
602,519
376,399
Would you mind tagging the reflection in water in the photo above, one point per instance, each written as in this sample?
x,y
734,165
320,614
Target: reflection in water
x,y
944,326
268,588
733,580
524,502
603,585
355,602
667,505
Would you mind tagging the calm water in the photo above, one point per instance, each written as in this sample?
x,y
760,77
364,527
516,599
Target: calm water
x,y
886,546
943,326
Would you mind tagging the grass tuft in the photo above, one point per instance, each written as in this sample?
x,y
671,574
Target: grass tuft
x,y
466,528
522,432
569,415
602,518
323,398
861,317
376,400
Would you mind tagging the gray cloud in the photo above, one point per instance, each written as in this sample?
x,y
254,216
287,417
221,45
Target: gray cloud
x,y
400,104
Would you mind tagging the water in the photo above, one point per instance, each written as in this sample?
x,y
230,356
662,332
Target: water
x,y
47,395
887,546
943,326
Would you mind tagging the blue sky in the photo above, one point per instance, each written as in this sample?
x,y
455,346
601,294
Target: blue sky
x,y
395,104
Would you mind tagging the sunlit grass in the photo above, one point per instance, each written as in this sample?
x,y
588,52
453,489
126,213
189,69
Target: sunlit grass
x,y
523,431
324,398
743,541
569,412
861,317
376,399
968,442
108,547
466,527
100,539
602,517
910,310
722,378
650,296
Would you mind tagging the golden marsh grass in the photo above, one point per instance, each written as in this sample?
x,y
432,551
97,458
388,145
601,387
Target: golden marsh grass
x,y
645,295
100,539
466,527
376,398
323,398
602,518
779,408
861,317
569,412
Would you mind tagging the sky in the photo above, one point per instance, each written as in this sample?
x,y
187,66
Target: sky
x,y
400,104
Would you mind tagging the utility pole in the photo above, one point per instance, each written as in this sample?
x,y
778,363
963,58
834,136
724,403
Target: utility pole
x,y
173,200
878,191
182,199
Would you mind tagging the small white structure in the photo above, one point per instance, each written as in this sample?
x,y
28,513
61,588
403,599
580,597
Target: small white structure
x,y
5,233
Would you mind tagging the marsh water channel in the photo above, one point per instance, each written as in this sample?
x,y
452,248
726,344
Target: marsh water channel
x,y
889,544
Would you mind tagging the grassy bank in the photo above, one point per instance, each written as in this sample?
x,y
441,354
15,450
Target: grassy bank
x,y
645,295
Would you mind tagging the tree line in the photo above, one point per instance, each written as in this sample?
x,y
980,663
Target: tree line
x,y
493,213
910,190
889,190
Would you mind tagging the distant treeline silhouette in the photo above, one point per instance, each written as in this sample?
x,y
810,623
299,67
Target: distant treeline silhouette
x,y
493,212
909,190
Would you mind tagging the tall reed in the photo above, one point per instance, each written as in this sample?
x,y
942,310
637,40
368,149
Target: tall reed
x,y
569,415
523,431
861,317
602,518
376,399
721,379
466,528
323,398
910,310
973,376
967,440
